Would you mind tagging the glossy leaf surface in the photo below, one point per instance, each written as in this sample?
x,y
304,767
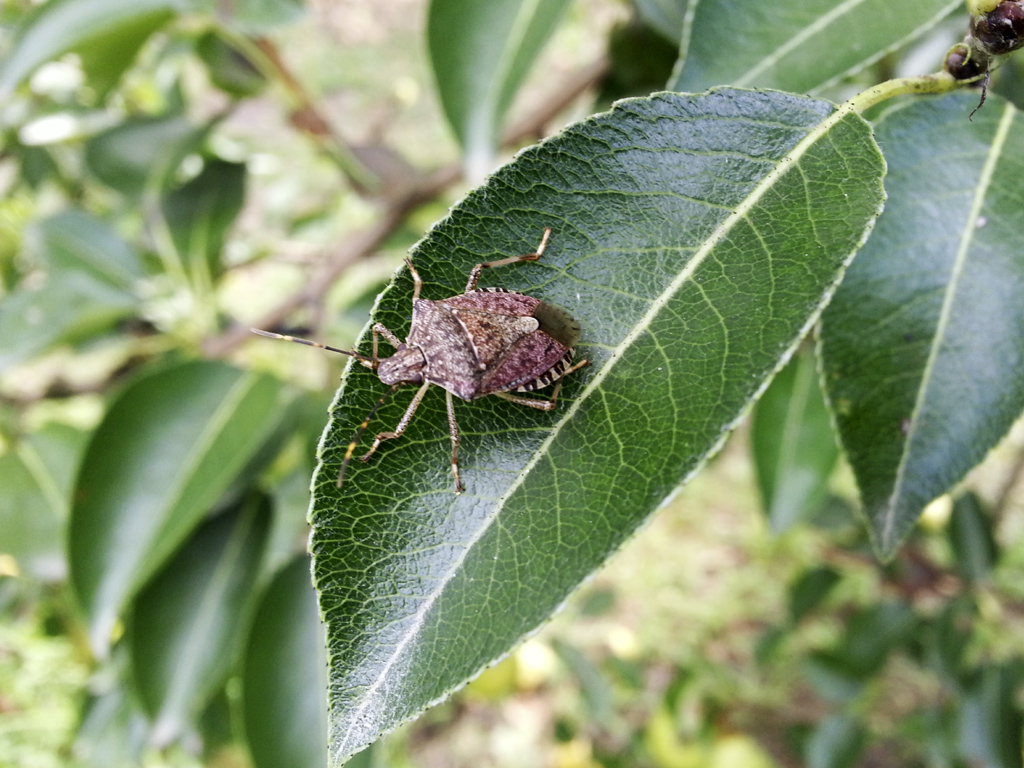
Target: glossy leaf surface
x,y
695,239
285,675
923,345
164,453
793,443
187,624
481,52
795,45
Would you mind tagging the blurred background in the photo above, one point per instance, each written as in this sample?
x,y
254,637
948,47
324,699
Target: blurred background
x,y
172,173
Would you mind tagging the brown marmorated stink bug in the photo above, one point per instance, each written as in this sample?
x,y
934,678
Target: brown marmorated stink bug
x,y
486,341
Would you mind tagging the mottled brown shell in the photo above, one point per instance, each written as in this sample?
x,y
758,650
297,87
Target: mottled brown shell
x,y
492,340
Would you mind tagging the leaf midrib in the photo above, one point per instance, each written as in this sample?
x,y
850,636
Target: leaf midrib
x,y
784,164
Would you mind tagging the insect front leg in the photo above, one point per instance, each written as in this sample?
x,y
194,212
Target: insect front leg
x,y
401,424
380,330
474,274
453,430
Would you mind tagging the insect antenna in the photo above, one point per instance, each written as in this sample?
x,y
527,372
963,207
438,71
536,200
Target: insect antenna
x,y
362,428
270,335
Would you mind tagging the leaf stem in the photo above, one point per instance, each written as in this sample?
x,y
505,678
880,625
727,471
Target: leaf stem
x,y
939,82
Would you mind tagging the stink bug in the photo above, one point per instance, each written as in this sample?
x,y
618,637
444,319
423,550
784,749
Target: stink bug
x,y
485,341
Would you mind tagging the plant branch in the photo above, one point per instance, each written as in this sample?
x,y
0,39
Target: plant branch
x,y
364,242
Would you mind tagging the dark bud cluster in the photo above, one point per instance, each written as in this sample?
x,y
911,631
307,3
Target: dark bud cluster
x,y
997,28
965,63
1001,30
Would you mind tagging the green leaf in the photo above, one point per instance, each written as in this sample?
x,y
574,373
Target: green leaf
x,y
230,70
105,33
972,538
796,45
481,53
794,447
695,238
285,676
37,475
70,306
76,240
990,718
141,152
200,212
259,16
185,624
665,16
810,589
113,730
166,450
836,743
871,633
922,345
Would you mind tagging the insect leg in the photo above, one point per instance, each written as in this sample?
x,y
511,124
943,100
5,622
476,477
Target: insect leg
x,y
542,405
359,433
453,430
380,330
474,274
417,284
417,398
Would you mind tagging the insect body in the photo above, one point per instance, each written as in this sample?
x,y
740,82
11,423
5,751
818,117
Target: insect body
x,y
486,341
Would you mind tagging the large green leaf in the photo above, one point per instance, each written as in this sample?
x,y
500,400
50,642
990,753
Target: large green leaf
x,y
186,625
796,45
793,443
923,345
105,33
285,675
481,52
696,237
166,450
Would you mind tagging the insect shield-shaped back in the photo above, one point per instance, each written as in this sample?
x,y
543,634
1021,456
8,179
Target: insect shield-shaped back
x,y
482,342
492,340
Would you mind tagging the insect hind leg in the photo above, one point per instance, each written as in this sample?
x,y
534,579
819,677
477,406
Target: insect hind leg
x,y
474,275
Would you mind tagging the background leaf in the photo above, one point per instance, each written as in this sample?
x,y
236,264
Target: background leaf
x,y
796,45
923,344
166,450
794,446
105,33
38,472
481,52
678,220
201,211
187,624
285,675
141,152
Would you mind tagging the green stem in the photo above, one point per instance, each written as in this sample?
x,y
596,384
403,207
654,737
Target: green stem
x,y
940,82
